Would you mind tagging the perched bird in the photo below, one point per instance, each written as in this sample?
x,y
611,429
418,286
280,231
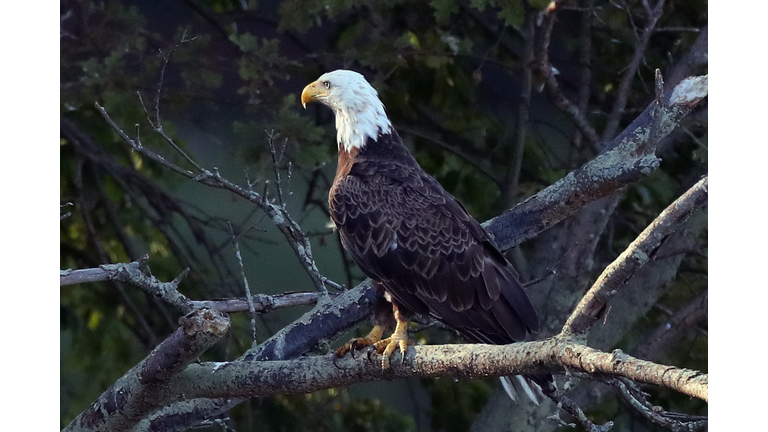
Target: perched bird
x,y
414,240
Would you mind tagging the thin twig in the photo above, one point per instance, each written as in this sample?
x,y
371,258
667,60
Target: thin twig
x,y
260,303
568,405
157,125
622,93
279,216
271,135
547,73
512,178
67,214
585,63
637,399
248,297
679,324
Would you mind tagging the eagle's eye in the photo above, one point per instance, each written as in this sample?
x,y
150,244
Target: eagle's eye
x,y
327,85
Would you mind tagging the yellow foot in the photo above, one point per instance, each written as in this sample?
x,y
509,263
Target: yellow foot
x,y
386,347
359,343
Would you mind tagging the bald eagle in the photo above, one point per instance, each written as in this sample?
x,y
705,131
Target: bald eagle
x,y
415,241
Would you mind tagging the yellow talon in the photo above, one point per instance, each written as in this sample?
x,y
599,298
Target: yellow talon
x,y
399,339
385,347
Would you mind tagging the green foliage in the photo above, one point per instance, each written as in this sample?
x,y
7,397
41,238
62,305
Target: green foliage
x,y
443,10
455,404
511,12
331,410
95,331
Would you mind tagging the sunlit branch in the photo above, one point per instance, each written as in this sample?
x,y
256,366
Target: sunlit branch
x,y
635,256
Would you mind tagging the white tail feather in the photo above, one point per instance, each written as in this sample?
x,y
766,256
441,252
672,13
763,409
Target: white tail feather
x,y
524,384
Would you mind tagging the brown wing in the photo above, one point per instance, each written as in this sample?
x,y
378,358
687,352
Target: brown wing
x,y
404,230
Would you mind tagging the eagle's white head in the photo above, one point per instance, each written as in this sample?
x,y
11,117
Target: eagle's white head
x,y
359,112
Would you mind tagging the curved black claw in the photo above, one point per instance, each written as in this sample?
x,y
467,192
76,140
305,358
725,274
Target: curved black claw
x,y
335,357
371,350
354,345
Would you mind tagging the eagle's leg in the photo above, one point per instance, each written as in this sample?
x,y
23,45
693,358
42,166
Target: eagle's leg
x,y
399,339
382,319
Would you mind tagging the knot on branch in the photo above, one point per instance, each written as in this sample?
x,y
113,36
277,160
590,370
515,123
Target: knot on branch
x,y
618,357
205,321
266,303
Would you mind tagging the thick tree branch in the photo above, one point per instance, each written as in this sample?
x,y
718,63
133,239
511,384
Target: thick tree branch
x,y
635,256
179,416
137,393
244,379
318,327
627,159
253,379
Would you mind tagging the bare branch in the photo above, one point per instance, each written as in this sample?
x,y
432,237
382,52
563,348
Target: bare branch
x,y
635,256
585,65
566,106
625,160
243,379
131,273
271,135
637,400
262,303
547,73
679,324
317,328
157,125
571,408
248,296
179,416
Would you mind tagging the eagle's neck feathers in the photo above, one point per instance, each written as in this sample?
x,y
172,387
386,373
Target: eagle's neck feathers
x,y
356,123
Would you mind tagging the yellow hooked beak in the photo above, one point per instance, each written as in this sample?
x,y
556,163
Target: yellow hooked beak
x,y
312,92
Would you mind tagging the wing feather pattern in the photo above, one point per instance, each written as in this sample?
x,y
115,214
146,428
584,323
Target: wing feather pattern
x,y
404,230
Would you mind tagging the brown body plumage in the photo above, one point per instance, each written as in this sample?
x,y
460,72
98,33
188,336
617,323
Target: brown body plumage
x,y
406,232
